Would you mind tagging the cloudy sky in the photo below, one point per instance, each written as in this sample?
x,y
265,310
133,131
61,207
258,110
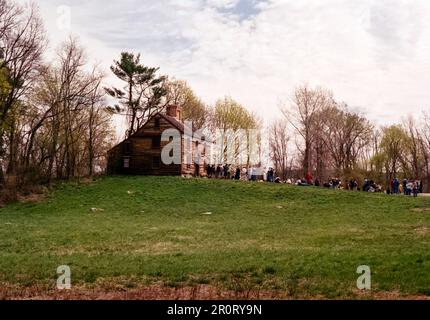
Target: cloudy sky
x,y
373,54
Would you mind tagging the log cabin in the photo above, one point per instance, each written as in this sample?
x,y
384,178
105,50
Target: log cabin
x,y
140,154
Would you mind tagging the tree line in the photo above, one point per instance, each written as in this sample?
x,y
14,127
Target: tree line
x,y
56,117
324,137
53,123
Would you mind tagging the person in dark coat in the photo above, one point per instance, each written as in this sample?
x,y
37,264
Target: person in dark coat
x,y
253,174
405,188
366,185
225,171
237,175
218,171
416,188
270,175
396,185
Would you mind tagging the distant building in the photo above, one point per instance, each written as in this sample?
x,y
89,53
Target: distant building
x,y
140,154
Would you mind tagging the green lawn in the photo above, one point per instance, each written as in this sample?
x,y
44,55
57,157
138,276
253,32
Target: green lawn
x,y
305,242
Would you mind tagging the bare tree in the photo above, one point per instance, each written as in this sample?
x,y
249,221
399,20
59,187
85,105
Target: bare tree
x,y
67,127
278,148
413,161
98,130
21,44
305,105
193,109
231,118
346,134
77,92
392,147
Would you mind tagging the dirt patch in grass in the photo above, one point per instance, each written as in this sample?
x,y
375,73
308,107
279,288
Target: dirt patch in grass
x,y
388,295
151,292
32,197
87,181
420,210
32,193
163,292
423,231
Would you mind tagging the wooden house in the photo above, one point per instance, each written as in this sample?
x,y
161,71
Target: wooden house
x,y
140,154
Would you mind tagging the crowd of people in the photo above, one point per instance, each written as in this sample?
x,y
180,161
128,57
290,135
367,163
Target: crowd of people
x,y
406,187
228,172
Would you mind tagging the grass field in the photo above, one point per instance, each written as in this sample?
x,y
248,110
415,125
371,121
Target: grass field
x,y
275,240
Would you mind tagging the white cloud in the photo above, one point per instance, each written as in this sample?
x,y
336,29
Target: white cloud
x,y
222,3
373,54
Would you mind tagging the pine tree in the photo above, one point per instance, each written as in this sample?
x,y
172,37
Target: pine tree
x,y
142,95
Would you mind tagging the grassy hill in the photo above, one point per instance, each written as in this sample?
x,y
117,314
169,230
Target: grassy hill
x,y
265,240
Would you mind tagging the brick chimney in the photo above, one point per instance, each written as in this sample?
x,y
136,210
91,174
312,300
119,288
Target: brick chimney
x,y
175,112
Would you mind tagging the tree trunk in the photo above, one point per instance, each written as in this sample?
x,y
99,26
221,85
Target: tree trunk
x,y
11,168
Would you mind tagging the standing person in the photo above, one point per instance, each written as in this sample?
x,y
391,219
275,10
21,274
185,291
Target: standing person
x,y
405,187
225,171
218,171
409,188
351,185
253,174
416,188
270,174
309,178
237,175
421,187
396,184
244,175
401,188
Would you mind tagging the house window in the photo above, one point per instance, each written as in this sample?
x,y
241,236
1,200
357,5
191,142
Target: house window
x,y
155,162
157,123
127,147
126,162
156,142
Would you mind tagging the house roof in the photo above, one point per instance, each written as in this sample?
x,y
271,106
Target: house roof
x,y
172,120
176,123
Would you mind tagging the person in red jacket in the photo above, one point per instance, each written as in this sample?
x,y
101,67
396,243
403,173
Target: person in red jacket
x,y
309,178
